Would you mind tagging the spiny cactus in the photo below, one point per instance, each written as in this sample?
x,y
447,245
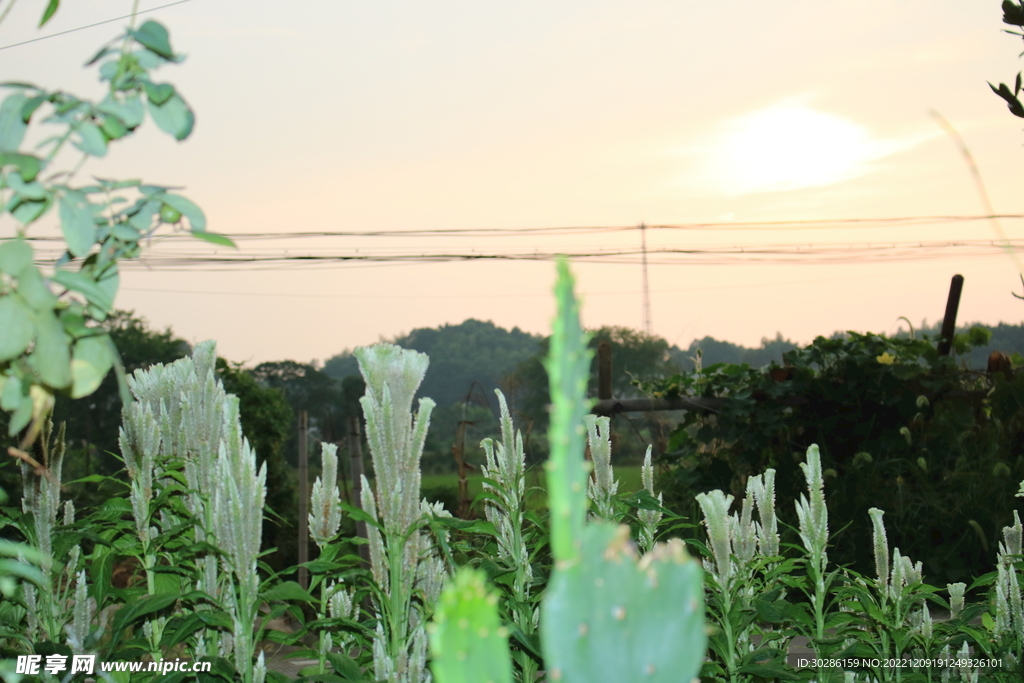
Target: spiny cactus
x,y
607,616
611,618
467,640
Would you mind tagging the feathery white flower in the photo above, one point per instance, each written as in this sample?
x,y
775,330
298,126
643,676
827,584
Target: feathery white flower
x,y
813,513
603,485
325,502
715,506
762,487
649,519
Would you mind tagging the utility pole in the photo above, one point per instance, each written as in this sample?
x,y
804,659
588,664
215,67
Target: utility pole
x,y
303,542
647,293
355,450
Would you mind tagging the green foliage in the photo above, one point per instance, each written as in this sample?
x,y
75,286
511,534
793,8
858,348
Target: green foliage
x,y
900,428
54,343
1013,15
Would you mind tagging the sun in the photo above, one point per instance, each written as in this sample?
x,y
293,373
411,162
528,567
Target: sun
x,y
789,147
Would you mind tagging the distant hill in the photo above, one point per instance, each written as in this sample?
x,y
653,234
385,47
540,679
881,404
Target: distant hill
x,y
483,352
714,351
459,355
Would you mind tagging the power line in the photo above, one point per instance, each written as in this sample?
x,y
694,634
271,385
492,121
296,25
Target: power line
x,y
98,23
810,224
729,255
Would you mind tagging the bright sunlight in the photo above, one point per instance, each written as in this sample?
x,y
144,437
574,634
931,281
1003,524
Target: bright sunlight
x,y
788,147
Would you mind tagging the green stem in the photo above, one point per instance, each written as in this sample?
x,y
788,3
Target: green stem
x,y
322,615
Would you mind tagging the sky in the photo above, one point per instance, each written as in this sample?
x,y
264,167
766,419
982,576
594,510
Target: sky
x,y
761,126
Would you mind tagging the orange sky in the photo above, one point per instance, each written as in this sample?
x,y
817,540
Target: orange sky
x,y
453,115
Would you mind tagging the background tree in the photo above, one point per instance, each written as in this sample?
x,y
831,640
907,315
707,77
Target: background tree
x,y
266,418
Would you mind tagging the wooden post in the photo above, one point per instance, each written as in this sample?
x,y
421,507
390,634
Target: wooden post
x,y
355,450
949,320
303,499
604,371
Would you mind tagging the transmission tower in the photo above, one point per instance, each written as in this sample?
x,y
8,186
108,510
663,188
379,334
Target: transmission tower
x,y
647,293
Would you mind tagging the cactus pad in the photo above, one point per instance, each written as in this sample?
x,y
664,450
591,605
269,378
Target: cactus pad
x,y
610,617
467,640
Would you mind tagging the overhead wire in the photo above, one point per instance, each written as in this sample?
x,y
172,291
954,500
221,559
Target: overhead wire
x,y
98,23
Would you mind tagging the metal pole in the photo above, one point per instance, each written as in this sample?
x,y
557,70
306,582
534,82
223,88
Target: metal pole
x,y
949,320
604,371
303,499
355,449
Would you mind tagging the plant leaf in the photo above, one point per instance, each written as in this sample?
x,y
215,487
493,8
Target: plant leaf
x,y
91,140
287,591
81,282
214,238
28,165
174,117
187,208
154,37
16,321
51,356
48,14
15,254
158,93
76,223
90,364
12,127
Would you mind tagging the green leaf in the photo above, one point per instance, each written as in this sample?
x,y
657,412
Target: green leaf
x,y
15,254
23,570
287,591
51,356
142,219
130,112
12,127
158,93
26,211
76,222
28,165
345,666
130,613
154,37
16,321
187,208
113,128
91,140
108,283
30,107
11,394
100,54
50,10
173,117
20,417
124,232
214,238
90,364
81,282
34,190
34,289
